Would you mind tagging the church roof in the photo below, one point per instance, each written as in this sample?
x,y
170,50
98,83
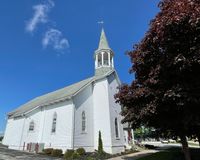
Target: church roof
x,y
56,96
103,43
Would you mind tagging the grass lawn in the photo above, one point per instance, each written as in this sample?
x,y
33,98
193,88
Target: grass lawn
x,y
172,154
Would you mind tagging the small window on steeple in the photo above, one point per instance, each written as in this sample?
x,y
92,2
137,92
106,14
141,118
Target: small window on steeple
x,y
105,57
99,60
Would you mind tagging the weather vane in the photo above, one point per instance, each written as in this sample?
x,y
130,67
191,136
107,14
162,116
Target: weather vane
x,y
101,23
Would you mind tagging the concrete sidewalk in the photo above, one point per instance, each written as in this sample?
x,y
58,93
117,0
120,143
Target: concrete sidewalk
x,y
9,154
134,156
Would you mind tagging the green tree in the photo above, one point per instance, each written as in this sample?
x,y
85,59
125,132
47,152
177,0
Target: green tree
x,y
1,138
100,144
166,91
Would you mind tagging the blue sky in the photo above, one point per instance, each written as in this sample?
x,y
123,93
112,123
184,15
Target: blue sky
x,y
47,45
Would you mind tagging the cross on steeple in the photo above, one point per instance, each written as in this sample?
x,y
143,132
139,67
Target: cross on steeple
x,y
100,22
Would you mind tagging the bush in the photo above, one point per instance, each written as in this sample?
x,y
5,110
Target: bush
x,y
100,144
90,158
68,154
1,138
75,155
81,151
102,155
56,152
48,151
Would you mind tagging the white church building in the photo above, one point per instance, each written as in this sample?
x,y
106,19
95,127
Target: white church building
x,y
72,117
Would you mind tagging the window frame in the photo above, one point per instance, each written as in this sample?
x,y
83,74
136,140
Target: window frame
x,y
54,123
105,59
31,126
99,60
117,131
83,122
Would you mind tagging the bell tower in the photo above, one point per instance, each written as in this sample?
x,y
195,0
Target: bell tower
x,y
103,56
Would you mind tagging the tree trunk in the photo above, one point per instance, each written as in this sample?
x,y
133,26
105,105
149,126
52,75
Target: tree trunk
x,y
185,147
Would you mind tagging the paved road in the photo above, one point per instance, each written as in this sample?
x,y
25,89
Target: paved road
x,y
8,154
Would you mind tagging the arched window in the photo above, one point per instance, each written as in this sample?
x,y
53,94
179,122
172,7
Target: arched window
x,y
105,57
116,128
31,126
99,60
83,122
53,130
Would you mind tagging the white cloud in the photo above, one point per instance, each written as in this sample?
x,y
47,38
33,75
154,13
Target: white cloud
x,y
54,38
40,15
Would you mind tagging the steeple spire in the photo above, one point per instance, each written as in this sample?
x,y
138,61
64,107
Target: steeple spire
x,y
103,56
103,43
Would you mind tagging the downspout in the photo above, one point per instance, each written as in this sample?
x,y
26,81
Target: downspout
x,y
73,124
22,131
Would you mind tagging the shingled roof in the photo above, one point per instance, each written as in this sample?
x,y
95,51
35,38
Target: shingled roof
x,y
56,96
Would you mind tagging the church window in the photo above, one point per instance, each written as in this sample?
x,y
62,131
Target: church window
x,y
31,126
116,128
53,130
105,56
83,122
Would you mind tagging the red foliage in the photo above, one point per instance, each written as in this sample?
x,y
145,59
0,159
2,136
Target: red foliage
x,y
166,91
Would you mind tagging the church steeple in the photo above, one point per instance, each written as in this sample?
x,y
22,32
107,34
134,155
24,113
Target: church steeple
x,y
103,56
103,43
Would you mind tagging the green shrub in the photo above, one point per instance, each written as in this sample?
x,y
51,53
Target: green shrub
x,y
81,151
100,144
90,158
68,154
75,155
56,152
1,138
48,151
